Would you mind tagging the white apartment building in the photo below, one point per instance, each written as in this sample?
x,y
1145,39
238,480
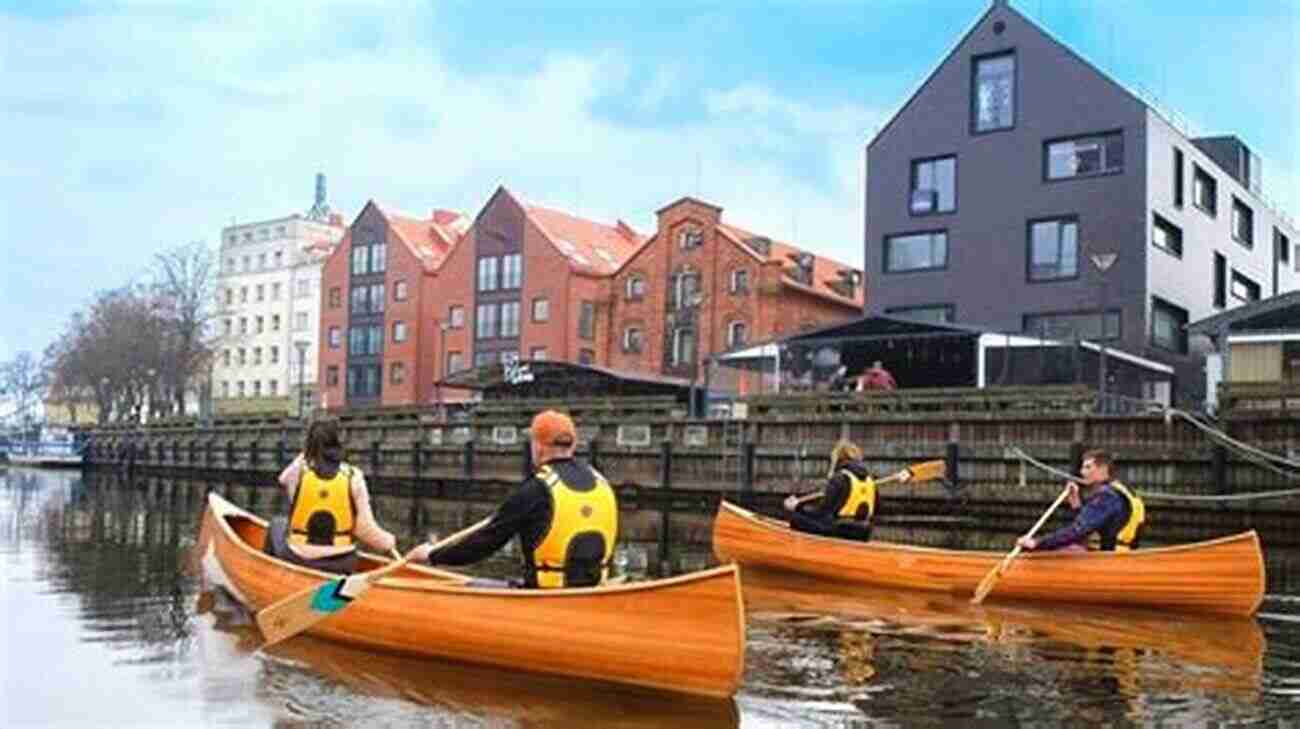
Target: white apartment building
x,y
268,296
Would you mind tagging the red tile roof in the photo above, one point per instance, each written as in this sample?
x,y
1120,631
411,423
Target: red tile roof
x,y
430,240
825,270
589,246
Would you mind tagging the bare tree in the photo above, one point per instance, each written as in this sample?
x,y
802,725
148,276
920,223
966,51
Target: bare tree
x,y
184,280
23,381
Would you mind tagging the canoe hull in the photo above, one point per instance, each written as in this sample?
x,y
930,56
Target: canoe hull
x,y
683,634
1220,576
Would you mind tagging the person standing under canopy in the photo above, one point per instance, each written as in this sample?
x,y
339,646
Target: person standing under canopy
x,y
565,516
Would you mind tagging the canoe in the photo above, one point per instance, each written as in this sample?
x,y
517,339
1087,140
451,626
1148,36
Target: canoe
x,y
682,634
1224,576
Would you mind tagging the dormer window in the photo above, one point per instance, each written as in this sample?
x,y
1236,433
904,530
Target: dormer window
x,y
690,238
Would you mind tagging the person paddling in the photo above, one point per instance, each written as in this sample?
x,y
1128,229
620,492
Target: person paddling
x,y
329,507
1109,516
848,505
565,516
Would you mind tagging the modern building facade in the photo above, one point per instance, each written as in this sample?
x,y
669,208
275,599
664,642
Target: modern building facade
x,y
1023,190
268,303
379,311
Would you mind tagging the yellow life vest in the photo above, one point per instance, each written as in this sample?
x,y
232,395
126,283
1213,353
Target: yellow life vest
x,y
575,515
861,491
1127,535
322,509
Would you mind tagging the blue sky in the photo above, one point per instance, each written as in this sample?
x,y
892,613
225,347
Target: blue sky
x,y
133,127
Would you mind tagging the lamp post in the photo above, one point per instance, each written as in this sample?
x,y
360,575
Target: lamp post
x,y
147,410
302,364
1103,262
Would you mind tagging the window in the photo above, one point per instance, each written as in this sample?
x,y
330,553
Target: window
x,y
685,287
586,356
275,355
538,353
485,324
1178,177
261,261
230,297
360,255
635,287
1101,154
228,329
1073,325
455,362
273,387
1243,223
357,340
275,292
300,321
376,297
510,319
740,281
507,356
1167,322
737,334
257,355
230,262
1166,236
243,294
690,238
1053,250
275,322
364,380
335,296
399,331
931,313
243,356
225,388
1220,280
934,186
247,265
378,257
456,317
993,98
541,309
359,299
243,325
332,376
303,289
225,357
484,358
632,339
587,320
1281,246
487,274
241,388
399,291
257,388
261,292
916,252
397,373
1205,194
1244,289
375,337
258,326
279,258
683,346
512,271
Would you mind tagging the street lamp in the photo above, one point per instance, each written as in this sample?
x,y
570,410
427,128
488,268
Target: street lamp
x,y
302,364
1103,262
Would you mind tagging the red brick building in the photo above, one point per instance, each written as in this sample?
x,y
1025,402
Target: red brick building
x,y
700,286
530,282
379,308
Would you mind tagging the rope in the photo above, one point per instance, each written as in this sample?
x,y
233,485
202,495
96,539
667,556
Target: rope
x,y
1155,495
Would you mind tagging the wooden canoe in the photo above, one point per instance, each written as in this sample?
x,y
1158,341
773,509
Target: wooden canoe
x,y
682,634
1219,576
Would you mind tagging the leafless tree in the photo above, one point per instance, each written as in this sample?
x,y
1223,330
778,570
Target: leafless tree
x,y
184,281
23,381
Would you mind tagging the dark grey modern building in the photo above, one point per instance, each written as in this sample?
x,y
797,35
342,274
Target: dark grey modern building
x,y
1018,167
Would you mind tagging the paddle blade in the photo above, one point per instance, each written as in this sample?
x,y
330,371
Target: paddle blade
x,y
928,470
300,611
986,586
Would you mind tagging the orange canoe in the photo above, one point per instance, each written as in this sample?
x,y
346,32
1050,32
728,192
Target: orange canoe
x,y
1218,576
682,634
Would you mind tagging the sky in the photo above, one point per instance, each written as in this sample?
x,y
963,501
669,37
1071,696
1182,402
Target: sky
x,y
129,128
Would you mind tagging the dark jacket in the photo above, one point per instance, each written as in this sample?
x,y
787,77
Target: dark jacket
x,y
1105,512
822,516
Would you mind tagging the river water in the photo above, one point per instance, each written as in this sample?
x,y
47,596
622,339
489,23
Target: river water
x,y
106,624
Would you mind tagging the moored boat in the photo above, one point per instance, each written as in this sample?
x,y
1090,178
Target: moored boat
x,y
682,634
1217,576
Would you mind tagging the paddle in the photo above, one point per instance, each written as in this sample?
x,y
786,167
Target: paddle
x,y
991,579
301,610
923,471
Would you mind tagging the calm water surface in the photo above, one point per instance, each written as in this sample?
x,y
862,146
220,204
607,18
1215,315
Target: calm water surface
x,y
105,625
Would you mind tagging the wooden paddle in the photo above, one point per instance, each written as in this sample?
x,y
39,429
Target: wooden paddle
x,y
301,610
923,471
991,579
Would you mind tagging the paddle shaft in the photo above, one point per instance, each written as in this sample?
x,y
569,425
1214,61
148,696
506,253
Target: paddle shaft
x,y
991,579
888,479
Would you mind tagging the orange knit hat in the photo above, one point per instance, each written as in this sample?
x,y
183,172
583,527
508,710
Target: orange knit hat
x,y
551,427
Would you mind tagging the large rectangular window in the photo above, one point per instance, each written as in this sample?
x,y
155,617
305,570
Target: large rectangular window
x,y
1178,177
1205,191
1073,325
360,257
1220,280
916,252
1167,322
1053,249
934,186
376,297
1281,246
375,345
1244,289
358,296
1100,154
930,313
378,257
485,323
512,271
993,92
510,319
487,274
1166,236
587,320
455,362
1243,223
356,340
